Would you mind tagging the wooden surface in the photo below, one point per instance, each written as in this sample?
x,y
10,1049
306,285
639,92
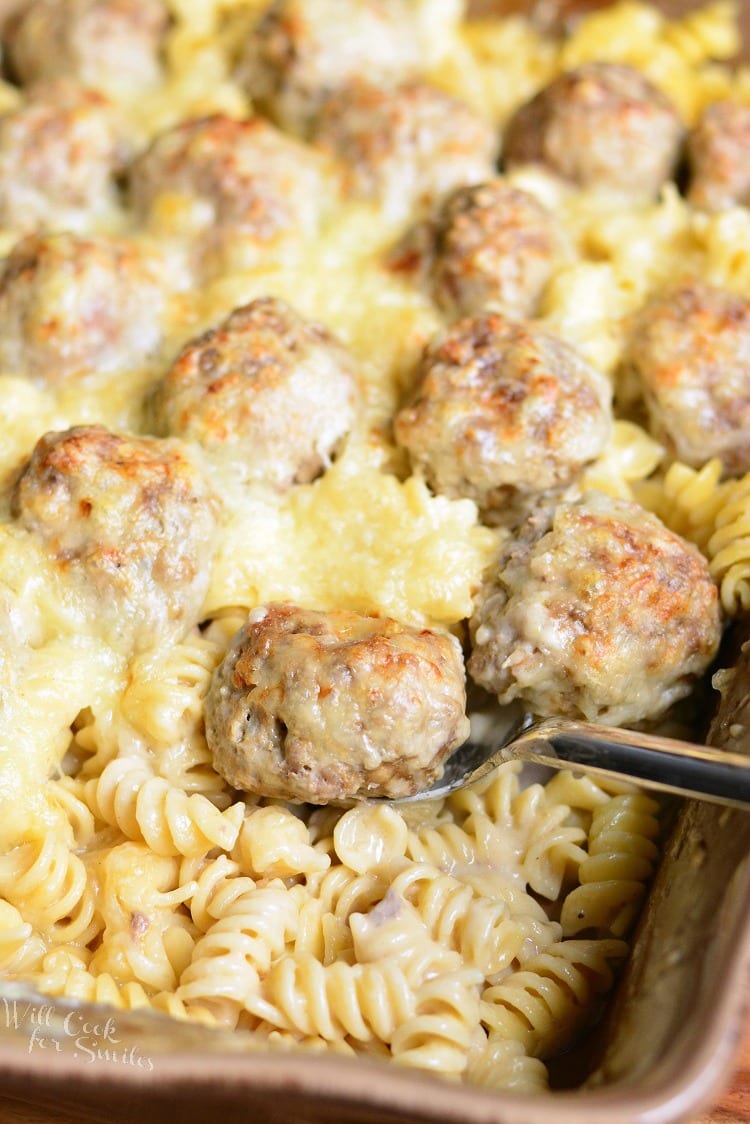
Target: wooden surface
x,y
734,1106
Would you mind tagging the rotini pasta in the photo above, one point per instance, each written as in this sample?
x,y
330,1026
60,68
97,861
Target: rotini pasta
x,y
470,937
20,947
439,1035
50,884
715,515
622,854
144,807
502,1063
224,972
355,1001
543,1005
147,937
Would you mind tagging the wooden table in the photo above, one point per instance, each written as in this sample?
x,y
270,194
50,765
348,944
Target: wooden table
x,y
734,1106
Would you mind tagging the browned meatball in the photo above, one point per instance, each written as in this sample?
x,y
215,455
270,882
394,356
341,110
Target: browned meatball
x,y
404,147
502,412
130,521
602,125
107,44
59,154
273,392
495,246
302,50
71,305
596,611
239,179
690,350
718,151
317,706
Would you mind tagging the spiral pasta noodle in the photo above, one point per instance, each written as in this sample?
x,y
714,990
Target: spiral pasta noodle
x,y
715,515
501,1063
147,936
439,1034
49,883
65,975
164,699
20,947
335,1001
144,807
622,854
543,1005
728,547
253,931
481,929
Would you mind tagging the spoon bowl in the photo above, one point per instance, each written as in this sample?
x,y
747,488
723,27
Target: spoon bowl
x,y
665,764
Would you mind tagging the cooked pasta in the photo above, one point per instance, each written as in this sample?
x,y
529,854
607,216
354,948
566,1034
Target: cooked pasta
x,y
20,947
715,514
472,937
127,795
621,858
335,1001
540,1005
226,965
50,883
439,1035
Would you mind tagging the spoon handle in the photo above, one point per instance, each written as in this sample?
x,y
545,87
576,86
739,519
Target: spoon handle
x,y
661,763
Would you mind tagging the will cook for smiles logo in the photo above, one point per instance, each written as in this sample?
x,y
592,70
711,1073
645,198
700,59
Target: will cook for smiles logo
x,y
89,1040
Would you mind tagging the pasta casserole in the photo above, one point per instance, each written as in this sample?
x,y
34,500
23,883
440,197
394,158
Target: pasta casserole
x,y
346,350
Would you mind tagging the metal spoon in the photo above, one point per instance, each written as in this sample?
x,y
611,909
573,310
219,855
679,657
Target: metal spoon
x,y
666,764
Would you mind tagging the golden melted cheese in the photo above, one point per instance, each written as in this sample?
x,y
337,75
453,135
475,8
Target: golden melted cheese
x,y
362,536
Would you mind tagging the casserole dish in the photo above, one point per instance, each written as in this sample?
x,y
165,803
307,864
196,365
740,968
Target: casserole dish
x,y
658,1055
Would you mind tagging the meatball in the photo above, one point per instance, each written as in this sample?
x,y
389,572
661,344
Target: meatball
x,y
302,50
496,246
274,392
318,706
404,147
237,179
718,150
602,125
503,411
70,306
689,349
108,44
596,611
59,155
130,521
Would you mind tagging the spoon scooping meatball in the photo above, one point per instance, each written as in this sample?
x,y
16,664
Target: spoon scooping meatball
x,y
325,706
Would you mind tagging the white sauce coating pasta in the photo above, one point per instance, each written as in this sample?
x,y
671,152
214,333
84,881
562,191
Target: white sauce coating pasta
x,y
473,937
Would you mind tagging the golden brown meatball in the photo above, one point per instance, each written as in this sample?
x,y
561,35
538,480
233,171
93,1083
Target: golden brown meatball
x,y
130,520
690,351
601,125
108,44
491,245
718,150
273,392
404,147
502,412
69,306
237,180
596,611
59,154
302,50
317,706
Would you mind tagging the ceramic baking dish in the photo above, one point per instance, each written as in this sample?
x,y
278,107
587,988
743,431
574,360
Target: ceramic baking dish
x,y
661,1053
